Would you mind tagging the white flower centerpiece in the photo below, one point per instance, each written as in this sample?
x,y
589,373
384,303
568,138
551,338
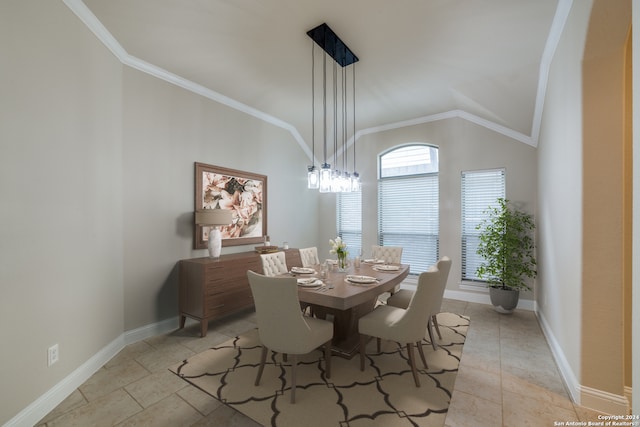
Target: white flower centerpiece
x,y
339,248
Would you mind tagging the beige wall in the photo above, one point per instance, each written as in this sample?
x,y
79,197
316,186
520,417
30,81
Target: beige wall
x,y
61,198
560,191
462,146
166,129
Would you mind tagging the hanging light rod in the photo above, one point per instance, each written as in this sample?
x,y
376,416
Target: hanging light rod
x,y
324,36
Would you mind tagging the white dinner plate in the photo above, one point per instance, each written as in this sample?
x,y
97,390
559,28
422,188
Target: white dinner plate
x,y
361,279
302,270
309,282
386,267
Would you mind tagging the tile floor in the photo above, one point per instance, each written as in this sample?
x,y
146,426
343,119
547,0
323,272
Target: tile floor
x,y
507,377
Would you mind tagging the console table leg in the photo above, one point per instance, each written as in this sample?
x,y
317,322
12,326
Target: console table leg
x,y
182,321
204,325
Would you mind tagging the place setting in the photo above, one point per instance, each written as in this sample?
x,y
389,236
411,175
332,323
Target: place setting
x,y
386,267
360,280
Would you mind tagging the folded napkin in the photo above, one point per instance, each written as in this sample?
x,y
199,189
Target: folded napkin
x,y
361,279
302,270
311,281
374,261
386,267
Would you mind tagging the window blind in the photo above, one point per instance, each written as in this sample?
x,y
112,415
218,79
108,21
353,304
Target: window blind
x,y
480,189
408,217
349,221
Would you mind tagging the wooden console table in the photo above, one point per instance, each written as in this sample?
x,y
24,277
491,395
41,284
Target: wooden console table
x,y
211,289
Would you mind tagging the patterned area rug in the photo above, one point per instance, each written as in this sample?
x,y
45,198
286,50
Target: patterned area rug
x,y
383,395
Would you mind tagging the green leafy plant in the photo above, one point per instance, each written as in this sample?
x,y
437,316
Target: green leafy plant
x,y
507,246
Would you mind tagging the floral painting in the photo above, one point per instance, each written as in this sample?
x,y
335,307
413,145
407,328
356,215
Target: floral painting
x,y
243,193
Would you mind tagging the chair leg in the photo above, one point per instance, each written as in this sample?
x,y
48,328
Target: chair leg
x,y
363,343
412,362
378,342
284,357
294,363
431,338
435,323
424,361
327,357
263,359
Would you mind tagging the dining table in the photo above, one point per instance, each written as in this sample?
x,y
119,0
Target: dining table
x,y
345,295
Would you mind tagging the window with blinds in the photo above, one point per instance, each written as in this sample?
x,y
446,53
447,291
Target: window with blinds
x,y
480,189
408,204
349,221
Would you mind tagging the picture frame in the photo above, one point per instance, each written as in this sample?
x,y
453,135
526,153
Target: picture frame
x,y
244,193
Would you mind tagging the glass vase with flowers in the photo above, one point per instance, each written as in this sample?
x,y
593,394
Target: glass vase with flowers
x,y
339,248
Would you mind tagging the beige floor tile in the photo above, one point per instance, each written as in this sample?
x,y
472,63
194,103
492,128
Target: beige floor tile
x,y
227,417
528,411
155,387
587,414
469,410
108,410
198,344
480,383
172,411
515,384
73,401
200,400
164,356
107,380
130,352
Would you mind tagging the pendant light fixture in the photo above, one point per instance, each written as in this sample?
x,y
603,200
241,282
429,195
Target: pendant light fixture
x,y
328,179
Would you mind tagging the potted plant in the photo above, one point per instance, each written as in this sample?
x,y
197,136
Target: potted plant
x,y
507,247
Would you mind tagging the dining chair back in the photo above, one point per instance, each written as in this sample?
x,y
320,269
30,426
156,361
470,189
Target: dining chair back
x,y
405,326
402,298
391,254
274,263
309,256
282,327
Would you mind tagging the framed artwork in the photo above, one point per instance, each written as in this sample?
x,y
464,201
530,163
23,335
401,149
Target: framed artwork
x,y
243,193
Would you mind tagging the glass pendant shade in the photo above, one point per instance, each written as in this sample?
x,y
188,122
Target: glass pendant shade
x,y
313,178
355,182
325,178
336,184
346,182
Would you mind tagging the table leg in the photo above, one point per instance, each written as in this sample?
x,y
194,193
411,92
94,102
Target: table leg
x,y
345,326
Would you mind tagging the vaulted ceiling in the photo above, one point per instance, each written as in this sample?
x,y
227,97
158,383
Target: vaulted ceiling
x,y
420,60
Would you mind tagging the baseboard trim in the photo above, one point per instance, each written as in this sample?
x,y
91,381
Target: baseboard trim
x,y
483,298
38,409
568,377
604,401
148,331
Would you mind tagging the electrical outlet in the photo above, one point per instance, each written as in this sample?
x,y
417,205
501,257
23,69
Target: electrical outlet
x,y
52,355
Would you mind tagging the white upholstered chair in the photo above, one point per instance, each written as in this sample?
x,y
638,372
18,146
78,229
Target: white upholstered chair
x,y
390,254
274,263
282,327
309,256
402,298
405,326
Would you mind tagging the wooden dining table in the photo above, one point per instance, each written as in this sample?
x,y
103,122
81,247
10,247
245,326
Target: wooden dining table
x,y
345,302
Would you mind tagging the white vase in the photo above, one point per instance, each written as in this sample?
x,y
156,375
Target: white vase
x,y
215,243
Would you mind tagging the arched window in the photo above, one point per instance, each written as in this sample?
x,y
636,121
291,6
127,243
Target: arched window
x,y
408,203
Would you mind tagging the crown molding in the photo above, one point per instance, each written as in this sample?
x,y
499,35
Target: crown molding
x,y
562,12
